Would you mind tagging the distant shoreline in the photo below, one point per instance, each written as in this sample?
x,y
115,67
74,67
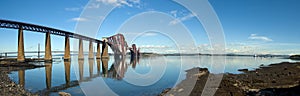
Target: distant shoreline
x,y
171,54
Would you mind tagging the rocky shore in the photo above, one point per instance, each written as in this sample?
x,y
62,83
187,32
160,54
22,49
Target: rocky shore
x,y
7,86
10,88
281,79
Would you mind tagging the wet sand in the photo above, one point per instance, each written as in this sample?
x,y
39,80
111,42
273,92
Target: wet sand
x,y
281,79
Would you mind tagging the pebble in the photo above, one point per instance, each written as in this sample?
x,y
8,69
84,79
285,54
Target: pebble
x,y
64,94
180,90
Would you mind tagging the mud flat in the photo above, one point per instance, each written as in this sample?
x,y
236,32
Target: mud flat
x,y
282,79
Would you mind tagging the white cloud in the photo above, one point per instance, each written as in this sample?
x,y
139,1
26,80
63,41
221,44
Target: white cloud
x,y
149,34
135,1
72,9
93,6
139,34
153,47
257,37
79,19
118,3
181,19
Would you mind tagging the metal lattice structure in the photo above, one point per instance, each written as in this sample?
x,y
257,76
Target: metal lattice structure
x,y
118,44
37,28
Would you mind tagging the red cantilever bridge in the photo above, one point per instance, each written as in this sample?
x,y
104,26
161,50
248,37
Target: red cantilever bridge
x,y
116,42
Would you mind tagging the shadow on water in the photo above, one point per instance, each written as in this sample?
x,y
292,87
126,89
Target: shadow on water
x,y
116,71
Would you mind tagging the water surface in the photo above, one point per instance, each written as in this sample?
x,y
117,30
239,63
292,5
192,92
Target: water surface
x,y
125,76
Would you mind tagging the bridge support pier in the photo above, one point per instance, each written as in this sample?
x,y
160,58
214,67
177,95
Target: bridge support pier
x,y
21,75
104,54
91,67
98,55
80,54
48,54
67,71
91,51
67,56
98,66
21,56
104,67
48,68
80,65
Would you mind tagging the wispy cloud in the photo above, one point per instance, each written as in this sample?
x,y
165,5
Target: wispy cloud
x,y
154,47
150,34
181,19
140,34
118,3
79,19
261,38
73,9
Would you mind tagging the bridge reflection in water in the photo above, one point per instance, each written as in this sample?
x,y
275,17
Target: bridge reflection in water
x,y
116,71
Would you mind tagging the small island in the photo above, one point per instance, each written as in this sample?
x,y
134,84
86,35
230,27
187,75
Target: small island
x,y
295,57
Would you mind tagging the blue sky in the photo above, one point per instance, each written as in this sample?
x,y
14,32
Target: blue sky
x,y
250,26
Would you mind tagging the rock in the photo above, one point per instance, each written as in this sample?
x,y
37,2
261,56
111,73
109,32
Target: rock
x,y
180,90
243,70
64,94
9,88
262,65
236,85
254,90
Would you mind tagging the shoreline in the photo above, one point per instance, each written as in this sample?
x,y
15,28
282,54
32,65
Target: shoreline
x,y
10,88
276,79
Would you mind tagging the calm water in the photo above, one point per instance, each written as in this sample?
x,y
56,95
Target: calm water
x,y
126,77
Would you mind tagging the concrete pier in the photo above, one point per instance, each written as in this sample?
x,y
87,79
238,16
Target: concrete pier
x,y
48,68
21,56
91,51
67,55
21,74
67,71
104,54
91,67
48,54
104,67
80,54
98,66
98,55
80,63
